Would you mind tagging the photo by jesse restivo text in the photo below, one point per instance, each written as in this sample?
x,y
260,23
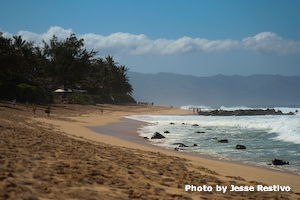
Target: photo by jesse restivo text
x,y
233,188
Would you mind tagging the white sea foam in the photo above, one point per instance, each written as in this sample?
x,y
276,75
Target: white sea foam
x,y
266,137
286,127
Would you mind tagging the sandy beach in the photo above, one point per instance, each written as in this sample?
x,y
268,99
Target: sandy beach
x,y
59,157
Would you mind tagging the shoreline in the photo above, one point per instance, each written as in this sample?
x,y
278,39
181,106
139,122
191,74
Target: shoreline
x,y
129,133
58,157
246,172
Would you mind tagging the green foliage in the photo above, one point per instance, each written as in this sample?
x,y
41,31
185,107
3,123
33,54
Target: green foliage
x,y
25,69
18,66
106,77
84,99
30,93
8,90
87,99
122,98
68,60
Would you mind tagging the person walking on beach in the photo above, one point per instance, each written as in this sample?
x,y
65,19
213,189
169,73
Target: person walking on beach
x,y
48,110
33,108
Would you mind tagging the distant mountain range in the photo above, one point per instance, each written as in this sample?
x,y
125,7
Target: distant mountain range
x,y
167,89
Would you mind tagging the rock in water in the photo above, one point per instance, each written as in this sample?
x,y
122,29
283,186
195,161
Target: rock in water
x,y
157,135
240,146
279,162
199,132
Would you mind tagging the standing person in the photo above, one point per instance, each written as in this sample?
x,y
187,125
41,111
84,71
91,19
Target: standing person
x,y
27,104
14,102
48,110
33,108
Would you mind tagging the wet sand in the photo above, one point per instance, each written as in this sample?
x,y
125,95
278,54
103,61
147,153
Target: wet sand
x,y
130,133
58,157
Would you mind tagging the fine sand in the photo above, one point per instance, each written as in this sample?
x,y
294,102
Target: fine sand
x,y
58,157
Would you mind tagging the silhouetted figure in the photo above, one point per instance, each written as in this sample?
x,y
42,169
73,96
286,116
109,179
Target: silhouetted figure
x,y
33,108
48,110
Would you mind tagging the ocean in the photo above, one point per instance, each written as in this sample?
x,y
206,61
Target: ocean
x,y
266,137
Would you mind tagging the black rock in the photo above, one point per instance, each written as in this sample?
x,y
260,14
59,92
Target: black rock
x,y
157,135
199,132
279,162
183,145
178,144
240,146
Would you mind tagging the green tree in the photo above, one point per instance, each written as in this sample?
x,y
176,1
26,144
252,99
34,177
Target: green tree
x,y
30,93
20,66
28,63
106,77
94,77
115,76
27,71
10,58
69,61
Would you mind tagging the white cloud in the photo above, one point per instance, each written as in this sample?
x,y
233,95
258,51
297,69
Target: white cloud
x,y
270,43
6,34
59,32
265,43
116,43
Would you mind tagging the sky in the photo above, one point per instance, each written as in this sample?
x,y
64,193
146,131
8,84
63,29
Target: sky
x,y
190,37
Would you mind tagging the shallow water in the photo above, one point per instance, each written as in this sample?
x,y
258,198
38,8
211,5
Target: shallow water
x,y
265,137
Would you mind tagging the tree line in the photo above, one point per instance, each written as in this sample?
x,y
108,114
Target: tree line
x,y
32,73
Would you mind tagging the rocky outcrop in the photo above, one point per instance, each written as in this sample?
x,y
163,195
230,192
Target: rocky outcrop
x,y
199,131
243,112
240,146
157,135
223,141
279,162
182,145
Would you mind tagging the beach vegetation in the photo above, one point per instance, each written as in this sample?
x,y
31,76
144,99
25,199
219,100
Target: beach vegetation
x,y
33,73
28,92
89,99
